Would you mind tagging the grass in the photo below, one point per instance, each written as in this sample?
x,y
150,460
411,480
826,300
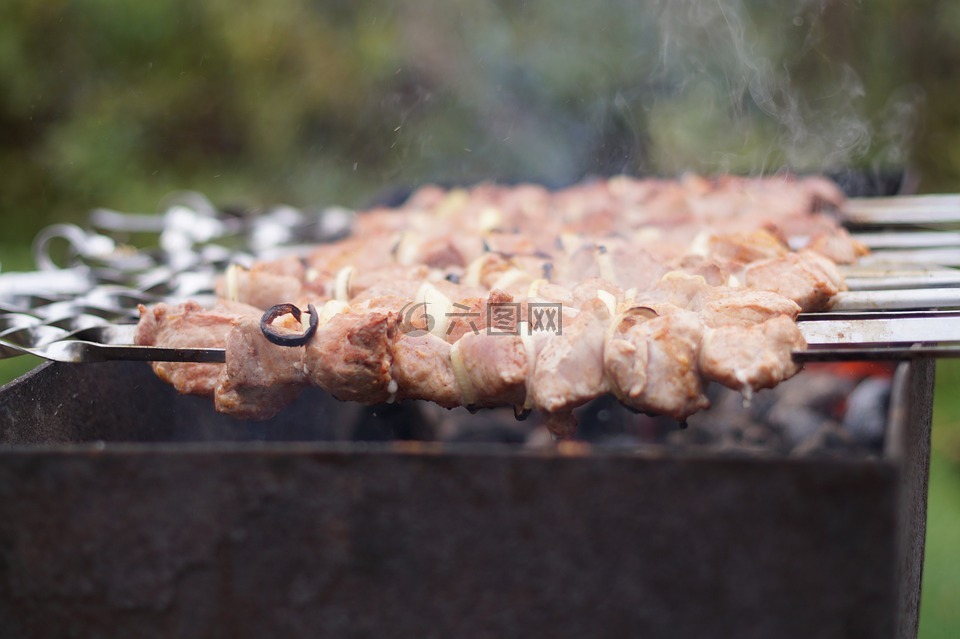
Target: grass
x,y
15,367
939,612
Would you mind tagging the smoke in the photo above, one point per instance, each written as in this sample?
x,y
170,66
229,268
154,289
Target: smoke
x,y
555,92
714,53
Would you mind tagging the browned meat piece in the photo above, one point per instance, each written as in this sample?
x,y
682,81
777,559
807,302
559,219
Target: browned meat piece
x,y
349,357
434,251
723,306
743,248
751,357
370,252
676,288
495,369
189,325
579,264
590,288
365,283
393,294
806,278
569,369
651,361
259,378
628,266
472,315
711,272
838,246
260,287
421,369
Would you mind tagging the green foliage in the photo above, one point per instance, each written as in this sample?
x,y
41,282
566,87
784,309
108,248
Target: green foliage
x,y
109,103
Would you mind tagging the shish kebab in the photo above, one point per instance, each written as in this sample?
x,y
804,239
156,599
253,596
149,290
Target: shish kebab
x,y
651,287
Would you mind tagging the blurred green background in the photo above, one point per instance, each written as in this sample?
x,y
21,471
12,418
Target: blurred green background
x,y
116,104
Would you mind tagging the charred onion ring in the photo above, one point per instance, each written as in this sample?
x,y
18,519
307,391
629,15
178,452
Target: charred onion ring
x,y
288,340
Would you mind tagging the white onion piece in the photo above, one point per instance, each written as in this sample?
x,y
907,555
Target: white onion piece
x,y
232,284
534,289
609,300
468,395
437,306
700,244
570,242
509,278
490,218
605,264
331,308
530,348
408,249
647,235
471,276
681,275
341,284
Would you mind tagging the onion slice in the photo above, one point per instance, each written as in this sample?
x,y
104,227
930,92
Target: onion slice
x,y
281,339
468,393
231,279
341,288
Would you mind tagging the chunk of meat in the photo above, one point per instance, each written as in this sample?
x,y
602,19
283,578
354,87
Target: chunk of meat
x,y
838,246
753,356
265,284
189,325
496,368
652,362
350,356
260,377
724,306
569,369
421,369
805,277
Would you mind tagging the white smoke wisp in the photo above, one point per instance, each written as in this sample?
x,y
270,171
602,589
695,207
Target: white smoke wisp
x,y
762,121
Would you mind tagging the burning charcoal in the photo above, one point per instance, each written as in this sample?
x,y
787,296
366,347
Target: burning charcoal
x,y
815,389
797,423
829,441
866,415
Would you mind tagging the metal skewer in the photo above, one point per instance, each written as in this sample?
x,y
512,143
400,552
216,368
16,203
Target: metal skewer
x,y
919,210
898,299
